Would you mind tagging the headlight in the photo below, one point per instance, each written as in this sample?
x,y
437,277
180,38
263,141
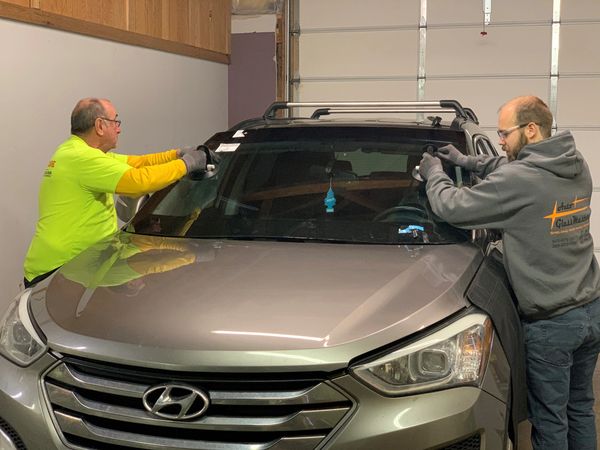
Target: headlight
x,y
454,355
19,341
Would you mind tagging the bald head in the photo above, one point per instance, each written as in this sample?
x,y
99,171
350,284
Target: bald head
x,y
95,120
529,108
85,113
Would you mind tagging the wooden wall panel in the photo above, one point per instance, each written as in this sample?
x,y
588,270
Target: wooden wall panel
x,y
19,2
112,13
210,24
176,23
146,17
199,23
196,28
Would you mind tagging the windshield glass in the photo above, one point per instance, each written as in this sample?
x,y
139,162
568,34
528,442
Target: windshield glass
x,y
326,183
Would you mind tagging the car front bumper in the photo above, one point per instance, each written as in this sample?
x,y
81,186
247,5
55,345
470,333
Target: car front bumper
x,y
432,420
452,417
25,421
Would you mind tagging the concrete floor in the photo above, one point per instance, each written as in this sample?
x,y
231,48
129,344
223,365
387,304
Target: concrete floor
x,y
525,428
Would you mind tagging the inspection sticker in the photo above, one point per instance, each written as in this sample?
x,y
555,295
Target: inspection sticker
x,y
227,148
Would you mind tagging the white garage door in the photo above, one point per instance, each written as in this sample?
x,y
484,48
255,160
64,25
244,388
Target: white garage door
x,y
434,49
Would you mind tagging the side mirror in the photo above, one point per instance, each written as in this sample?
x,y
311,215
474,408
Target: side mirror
x,y
127,207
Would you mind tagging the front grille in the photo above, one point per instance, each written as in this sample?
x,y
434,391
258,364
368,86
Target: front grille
x,y
471,443
99,406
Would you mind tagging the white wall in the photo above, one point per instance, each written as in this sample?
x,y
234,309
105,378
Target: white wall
x,y
164,100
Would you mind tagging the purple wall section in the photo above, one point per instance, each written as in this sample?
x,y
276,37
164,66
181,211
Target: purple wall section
x,y
252,75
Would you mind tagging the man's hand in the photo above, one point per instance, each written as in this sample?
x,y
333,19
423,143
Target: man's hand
x,y
211,156
451,154
429,165
194,161
184,151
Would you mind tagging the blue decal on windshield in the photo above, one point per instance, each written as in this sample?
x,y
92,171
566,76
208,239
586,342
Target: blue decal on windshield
x,y
411,229
415,230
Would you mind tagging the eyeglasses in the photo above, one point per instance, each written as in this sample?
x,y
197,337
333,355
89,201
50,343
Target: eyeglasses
x,y
503,134
117,121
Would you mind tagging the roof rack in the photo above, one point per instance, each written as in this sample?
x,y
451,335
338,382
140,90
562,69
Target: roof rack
x,y
326,111
472,115
325,108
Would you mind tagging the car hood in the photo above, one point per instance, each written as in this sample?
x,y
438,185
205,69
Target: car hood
x,y
217,305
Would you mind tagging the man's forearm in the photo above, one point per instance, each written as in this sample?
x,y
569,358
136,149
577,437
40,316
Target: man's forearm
x,y
483,165
152,159
143,180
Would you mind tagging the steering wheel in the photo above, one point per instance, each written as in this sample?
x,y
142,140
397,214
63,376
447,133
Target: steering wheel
x,y
411,211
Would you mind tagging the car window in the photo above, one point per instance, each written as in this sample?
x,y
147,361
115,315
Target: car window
x,y
331,184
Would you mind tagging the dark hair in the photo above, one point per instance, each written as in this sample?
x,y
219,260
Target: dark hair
x,y
84,115
533,109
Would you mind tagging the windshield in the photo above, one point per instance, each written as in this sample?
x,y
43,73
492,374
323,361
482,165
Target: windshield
x,y
331,184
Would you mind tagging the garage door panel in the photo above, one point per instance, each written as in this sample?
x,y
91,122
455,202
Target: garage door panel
x,y
577,98
462,52
471,11
358,13
357,90
485,96
361,54
580,10
577,40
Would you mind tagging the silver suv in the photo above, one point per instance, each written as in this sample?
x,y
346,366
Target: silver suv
x,y
302,295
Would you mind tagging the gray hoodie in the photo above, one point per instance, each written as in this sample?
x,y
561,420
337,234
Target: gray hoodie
x,y
541,202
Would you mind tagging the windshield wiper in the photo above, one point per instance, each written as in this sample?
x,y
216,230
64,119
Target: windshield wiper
x,y
252,237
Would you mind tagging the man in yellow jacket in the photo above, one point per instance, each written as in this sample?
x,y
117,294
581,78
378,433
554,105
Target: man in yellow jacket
x,y
76,207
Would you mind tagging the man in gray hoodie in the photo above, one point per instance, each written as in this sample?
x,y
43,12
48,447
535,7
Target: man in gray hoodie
x,y
539,196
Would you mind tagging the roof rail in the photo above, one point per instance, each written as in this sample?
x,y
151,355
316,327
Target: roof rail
x,y
325,108
326,111
472,115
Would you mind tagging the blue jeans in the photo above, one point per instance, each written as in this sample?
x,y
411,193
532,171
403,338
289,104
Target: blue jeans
x,y
561,357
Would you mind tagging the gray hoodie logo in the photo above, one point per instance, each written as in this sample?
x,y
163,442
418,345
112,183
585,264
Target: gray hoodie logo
x,y
570,217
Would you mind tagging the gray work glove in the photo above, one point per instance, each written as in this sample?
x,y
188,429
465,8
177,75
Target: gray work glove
x,y
184,151
195,161
451,154
211,157
429,165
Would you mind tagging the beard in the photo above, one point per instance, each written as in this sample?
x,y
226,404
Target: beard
x,y
512,155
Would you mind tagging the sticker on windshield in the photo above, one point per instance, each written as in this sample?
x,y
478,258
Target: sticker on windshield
x,y
411,229
227,148
415,231
239,134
